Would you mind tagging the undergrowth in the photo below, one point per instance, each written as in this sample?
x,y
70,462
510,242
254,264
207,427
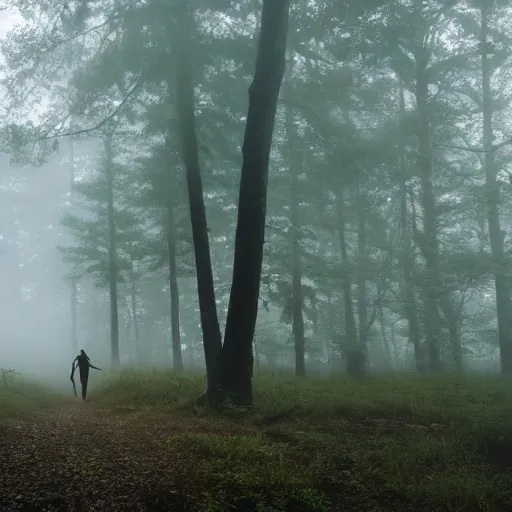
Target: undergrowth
x,y
19,397
386,443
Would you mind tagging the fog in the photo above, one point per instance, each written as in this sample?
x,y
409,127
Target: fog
x,y
384,236
35,337
281,229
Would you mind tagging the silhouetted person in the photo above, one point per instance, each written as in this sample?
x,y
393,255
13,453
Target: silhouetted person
x,y
83,363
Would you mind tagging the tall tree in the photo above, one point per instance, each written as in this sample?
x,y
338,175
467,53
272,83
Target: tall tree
x,y
296,289
409,295
112,251
236,356
212,338
492,186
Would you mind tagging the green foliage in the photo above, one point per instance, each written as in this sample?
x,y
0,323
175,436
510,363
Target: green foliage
x,y
342,87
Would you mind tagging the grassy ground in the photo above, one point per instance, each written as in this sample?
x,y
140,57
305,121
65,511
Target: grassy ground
x,y
383,444
20,398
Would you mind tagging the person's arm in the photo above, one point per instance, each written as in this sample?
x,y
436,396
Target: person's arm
x,y
73,368
95,367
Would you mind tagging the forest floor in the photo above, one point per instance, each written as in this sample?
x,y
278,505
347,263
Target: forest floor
x,y
383,444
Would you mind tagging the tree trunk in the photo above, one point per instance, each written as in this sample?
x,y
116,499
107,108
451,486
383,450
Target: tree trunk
x,y
212,340
385,341
492,186
410,306
314,315
112,255
257,355
133,297
453,328
236,357
429,246
177,360
353,353
133,294
392,335
73,282
362,309
297,295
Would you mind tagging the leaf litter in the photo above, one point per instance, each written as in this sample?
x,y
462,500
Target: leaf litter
x,y
82,458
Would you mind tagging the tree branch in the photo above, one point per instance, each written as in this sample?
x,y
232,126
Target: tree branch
x,y
104,121
471,149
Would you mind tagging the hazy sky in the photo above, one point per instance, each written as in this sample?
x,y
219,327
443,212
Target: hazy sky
x,y
34,338
7,21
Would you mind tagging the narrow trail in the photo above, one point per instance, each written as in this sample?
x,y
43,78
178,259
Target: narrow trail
x,y
79,457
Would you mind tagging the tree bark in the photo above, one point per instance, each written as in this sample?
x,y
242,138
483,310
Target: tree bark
x,y
492,186
112,254
297,295
212,340
236,357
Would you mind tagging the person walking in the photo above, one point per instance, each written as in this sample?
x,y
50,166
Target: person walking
x,y
83,363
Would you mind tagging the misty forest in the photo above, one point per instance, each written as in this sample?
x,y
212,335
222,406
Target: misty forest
x,y
281,230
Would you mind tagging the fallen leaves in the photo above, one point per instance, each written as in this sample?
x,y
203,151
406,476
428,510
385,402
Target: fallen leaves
x,y
80,458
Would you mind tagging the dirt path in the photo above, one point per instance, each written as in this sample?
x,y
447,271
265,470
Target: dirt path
x,y
79,457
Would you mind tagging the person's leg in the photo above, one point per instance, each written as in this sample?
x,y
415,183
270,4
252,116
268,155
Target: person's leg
x,y
84,389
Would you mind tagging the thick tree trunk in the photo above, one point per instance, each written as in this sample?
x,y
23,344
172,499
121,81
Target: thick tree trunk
x,y
236,358
410,306
429,246
212,339
354,354
112,255
496,235
297,295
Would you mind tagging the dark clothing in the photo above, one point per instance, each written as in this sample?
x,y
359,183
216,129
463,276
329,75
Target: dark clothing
x,y
83,367
83,363
84,388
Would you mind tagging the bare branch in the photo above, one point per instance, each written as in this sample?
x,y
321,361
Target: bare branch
x,y
105,120
465,148
471,149
507,142
69,39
